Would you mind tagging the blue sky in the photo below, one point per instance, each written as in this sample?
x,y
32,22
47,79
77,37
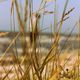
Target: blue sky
x,y
48,19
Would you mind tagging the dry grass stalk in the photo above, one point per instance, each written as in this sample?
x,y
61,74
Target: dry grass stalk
x,y
34,69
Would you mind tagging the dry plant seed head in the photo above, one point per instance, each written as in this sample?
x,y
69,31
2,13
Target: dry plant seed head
x,y
67,69
35,17
34,26
12,5
69,11
34,20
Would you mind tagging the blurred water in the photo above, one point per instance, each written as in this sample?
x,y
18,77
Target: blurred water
x,y
43,44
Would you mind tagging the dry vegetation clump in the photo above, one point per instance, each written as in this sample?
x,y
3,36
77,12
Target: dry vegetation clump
x,y
32,65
